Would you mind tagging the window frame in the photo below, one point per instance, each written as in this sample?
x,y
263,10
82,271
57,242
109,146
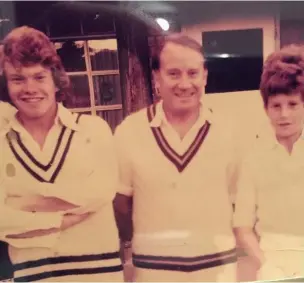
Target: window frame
x,y
90,73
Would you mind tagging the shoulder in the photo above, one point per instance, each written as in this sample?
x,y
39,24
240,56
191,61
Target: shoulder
x,y
95,128
7,112
223,128
91,122
134,122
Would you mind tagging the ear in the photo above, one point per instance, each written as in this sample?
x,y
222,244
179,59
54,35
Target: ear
x,y
156,77
205,76
265,107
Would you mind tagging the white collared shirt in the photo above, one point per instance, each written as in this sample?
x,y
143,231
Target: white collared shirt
x,y
180,187
83,172
270,188
180,145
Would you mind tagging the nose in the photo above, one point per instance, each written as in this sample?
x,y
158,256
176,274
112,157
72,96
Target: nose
x,y
30,86
185,83
285,112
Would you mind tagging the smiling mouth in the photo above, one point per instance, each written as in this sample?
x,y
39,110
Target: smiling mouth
x,y
284,125
31,99
184,95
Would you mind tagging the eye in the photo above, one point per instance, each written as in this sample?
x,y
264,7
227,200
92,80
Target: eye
x,y
293,104
193,73
40,77
173,73
276,105
16,79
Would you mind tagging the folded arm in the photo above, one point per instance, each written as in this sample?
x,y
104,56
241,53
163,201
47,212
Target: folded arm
x,y
68,221
90,193
14,222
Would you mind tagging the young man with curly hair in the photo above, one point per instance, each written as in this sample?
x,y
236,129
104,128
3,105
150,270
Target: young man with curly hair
x,y
58,172
270,189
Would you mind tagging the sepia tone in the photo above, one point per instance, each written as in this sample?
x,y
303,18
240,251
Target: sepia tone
x,y
107,50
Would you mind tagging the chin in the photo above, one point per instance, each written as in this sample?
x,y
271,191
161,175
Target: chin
x,y
34,115
287,134
188,104
184,108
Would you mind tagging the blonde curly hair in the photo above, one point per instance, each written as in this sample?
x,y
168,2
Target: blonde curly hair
x,y
25,46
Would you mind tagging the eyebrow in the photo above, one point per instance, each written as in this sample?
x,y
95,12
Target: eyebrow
x,y
43,72
14,75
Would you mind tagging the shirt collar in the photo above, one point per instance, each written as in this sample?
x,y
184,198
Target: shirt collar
x,y
63,117
66,118
271,142
160,118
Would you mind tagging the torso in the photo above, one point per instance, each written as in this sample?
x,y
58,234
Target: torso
x,y
180,188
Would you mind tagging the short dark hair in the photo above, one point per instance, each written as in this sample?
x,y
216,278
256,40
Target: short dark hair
x,y
180,39
25,46
283,73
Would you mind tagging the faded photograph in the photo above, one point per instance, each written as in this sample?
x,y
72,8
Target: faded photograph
x,y
151,141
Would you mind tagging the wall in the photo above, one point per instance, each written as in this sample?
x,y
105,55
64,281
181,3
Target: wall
x,y
244,108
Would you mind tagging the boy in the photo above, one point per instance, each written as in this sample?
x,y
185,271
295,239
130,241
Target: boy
x,y
270,187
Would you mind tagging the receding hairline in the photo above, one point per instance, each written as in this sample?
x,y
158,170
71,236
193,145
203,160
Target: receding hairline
x,y
184,41
169,43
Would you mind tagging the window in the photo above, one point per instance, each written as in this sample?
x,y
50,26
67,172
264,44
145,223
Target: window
x,y
93,68
7,20
291,32
234,59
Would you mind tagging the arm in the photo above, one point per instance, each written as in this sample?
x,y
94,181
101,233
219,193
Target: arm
x,y
247,239
239,147
38,203
103,179
245,213
68,221
101,183
14,221
123,216
123,200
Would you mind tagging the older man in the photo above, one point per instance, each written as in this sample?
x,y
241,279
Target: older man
x,y
176,162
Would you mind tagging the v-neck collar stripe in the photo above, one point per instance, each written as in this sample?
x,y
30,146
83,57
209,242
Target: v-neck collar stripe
x,y
180,161
63,145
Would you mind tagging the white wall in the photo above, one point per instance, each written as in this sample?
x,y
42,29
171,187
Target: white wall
x,y
245,108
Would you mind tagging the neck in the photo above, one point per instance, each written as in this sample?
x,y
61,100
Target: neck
x,y
182,121
288,142
181,117
38,128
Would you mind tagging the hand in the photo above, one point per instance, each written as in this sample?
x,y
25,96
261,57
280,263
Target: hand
x,y
38,203
34,233
70,220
